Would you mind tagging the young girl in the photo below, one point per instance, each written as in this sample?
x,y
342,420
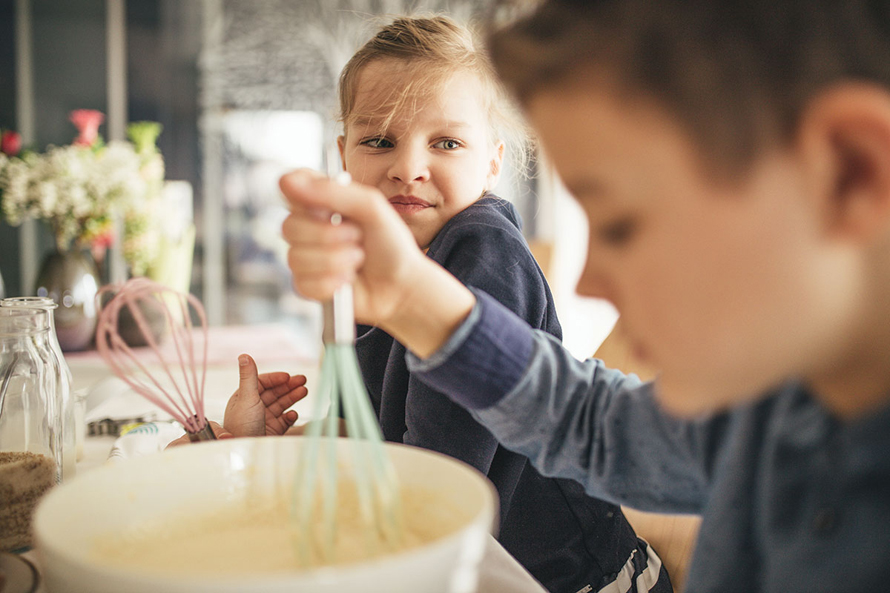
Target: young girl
x,y
423,119
733,162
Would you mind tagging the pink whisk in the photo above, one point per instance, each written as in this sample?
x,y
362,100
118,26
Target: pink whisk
x,y
176,387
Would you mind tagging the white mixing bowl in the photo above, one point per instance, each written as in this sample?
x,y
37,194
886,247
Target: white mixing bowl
x,y
110,499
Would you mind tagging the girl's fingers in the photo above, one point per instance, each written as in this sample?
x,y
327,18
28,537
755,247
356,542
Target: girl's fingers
x,y
313,261
281,382
285,393
308,191
274,380
294,383
318,273
279,404
278,425
320,289
281,390
247,372
277,384
306,228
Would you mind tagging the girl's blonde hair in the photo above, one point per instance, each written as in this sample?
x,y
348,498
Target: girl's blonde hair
x,y
434,48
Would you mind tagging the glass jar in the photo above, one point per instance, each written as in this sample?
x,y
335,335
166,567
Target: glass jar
x,y
30,421
64,381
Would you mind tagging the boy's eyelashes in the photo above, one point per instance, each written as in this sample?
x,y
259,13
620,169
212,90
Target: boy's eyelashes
x,y
618,233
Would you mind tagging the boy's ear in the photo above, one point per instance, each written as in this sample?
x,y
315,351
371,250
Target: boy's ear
x,y
496,165
341,146
845,132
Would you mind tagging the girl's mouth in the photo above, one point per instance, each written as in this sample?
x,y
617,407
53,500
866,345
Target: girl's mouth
x,y
408,204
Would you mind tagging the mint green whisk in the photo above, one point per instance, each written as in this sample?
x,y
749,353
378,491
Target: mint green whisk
x,y
319,469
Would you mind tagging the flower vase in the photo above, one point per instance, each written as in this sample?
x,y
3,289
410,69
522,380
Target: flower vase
x,y
154,324
71,279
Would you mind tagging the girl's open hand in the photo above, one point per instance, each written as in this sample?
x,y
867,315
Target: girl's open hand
x,y
260,405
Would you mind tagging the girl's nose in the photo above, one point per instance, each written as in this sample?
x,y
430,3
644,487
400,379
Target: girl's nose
x,y
409,165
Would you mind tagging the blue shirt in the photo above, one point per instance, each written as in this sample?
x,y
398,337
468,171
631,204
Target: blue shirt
x,y
791,498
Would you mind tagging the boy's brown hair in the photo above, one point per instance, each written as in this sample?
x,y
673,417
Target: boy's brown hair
x,y
736,73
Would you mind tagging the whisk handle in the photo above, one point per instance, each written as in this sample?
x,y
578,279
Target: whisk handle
x,y
339,317
205,434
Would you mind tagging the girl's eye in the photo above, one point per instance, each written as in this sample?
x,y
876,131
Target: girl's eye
x,y
447,144
618,233
377,143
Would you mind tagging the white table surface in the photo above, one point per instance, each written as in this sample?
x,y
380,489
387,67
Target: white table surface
x,y
274,350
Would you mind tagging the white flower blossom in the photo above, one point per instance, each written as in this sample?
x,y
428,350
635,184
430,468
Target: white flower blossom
x,y
70,185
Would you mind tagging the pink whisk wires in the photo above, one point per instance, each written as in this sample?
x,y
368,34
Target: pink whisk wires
x,y
177,386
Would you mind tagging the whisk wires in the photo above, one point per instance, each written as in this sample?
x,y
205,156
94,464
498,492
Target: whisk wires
x,y
377,484
319,470
178,388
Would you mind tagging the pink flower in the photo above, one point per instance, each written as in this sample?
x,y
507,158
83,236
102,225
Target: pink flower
x,y
10,143
87,122
103,240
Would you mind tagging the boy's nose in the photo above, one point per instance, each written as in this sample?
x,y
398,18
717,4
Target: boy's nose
x,y
595,284
409,165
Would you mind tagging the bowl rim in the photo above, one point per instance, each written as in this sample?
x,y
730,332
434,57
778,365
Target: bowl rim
x,y
43,545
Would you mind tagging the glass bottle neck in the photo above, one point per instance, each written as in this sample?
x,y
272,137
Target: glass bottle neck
x,y
21,321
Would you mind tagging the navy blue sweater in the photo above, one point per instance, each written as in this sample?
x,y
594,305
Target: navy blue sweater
x,y
566,539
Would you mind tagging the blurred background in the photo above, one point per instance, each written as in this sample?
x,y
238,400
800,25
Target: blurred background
x,y
244,90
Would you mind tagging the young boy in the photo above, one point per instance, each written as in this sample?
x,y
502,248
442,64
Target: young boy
x,y
733,162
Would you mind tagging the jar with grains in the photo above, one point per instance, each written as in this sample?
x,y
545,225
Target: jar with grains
x,y
64,381
30,421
